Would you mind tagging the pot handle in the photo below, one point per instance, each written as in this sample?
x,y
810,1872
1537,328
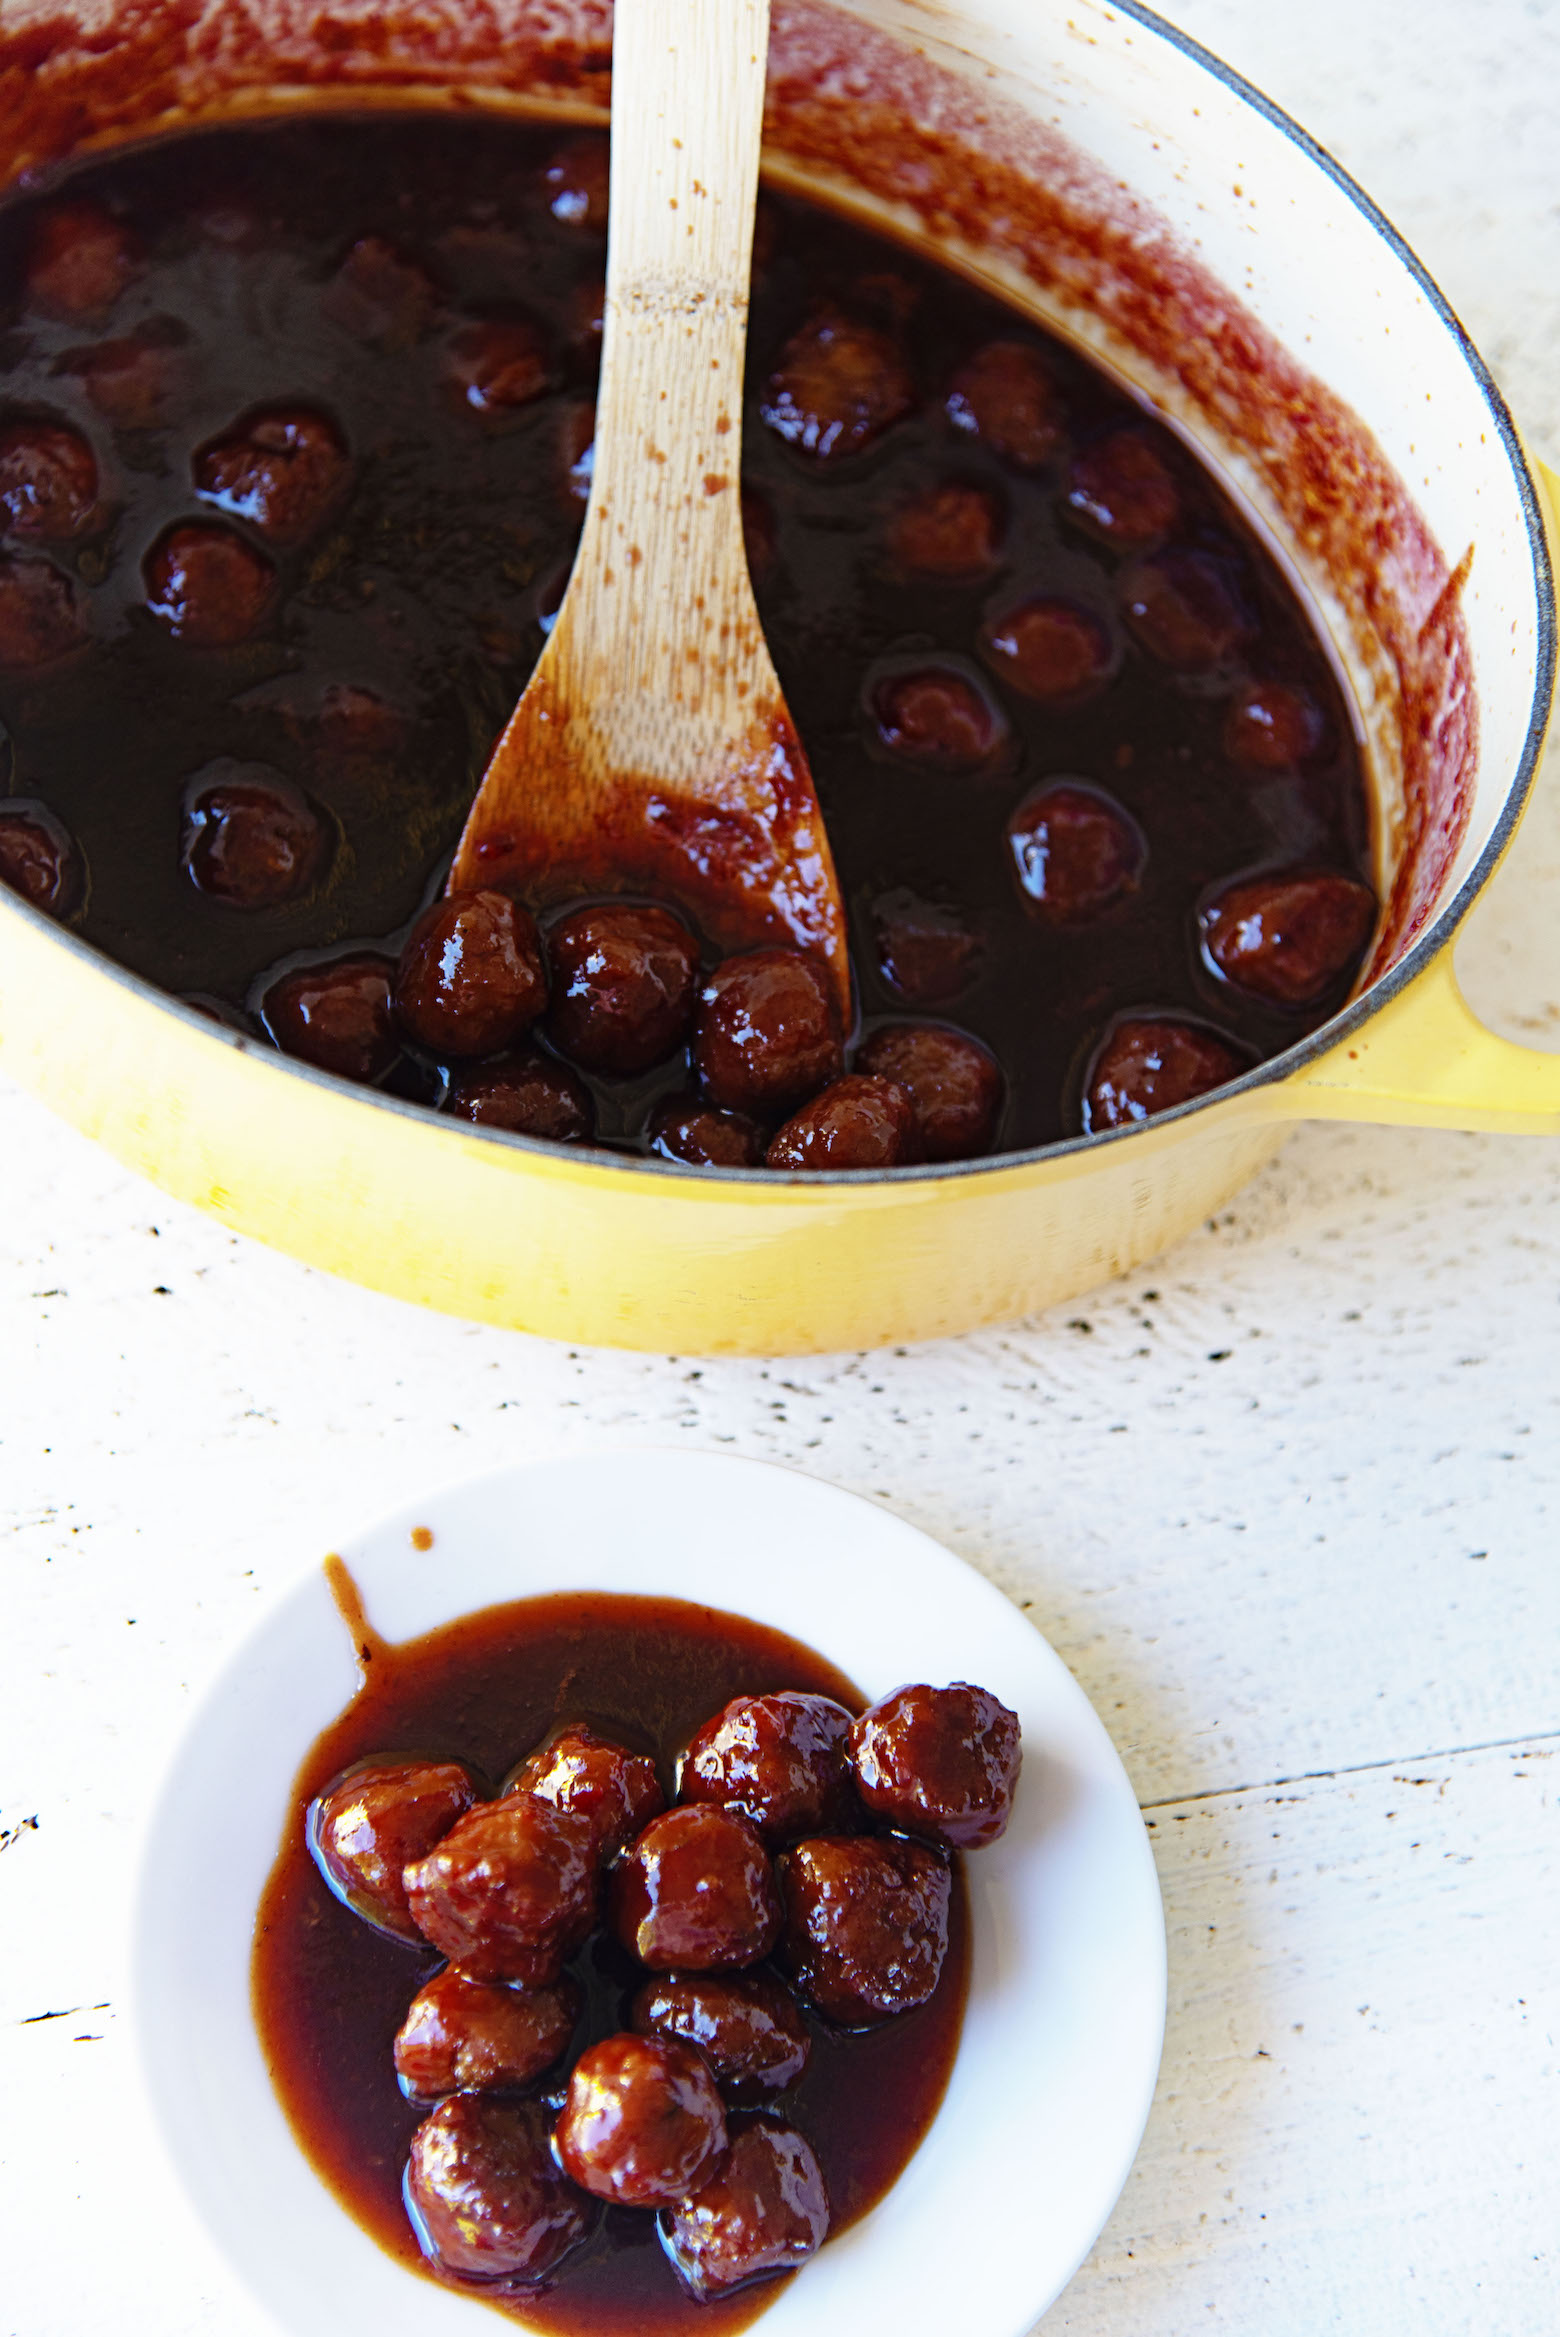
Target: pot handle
x,y
1426,1061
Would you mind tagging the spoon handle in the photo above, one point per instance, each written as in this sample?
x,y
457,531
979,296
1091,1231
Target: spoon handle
x,y
663,533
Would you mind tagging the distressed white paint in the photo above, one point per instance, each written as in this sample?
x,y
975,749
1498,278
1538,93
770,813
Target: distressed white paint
x,y
1298,1513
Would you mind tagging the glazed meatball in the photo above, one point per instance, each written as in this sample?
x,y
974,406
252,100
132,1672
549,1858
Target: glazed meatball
x,y
471,978
1050,650
696,1893
510,1891
925,951
758,534
478,2037
252,840
939,1762
526,1095
954,1086
576,183
838,386
623,986
858,1123
379,295
766,1032
1187,609
1150,1064
363,1830
617,1791
642,2123
686,1129
135,382
938,717
1074,852
866,1924
40,617
1005,396
79,260
1273,727
39,859
950,532
336,1016
497,366
764,2210
746,2026
208,586
281,470
487,2200
48,481
782,1762
1289,937
1121,490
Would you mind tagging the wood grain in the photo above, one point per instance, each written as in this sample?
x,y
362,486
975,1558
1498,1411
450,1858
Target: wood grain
x,y
652,750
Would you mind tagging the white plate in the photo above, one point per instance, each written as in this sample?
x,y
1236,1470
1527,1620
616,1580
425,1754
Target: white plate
x,y
1061,2042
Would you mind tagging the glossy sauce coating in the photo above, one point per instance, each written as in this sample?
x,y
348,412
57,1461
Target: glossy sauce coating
x,y
981,570
330,1995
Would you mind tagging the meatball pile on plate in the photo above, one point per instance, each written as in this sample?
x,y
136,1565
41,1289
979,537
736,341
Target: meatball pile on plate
x,y
802,1872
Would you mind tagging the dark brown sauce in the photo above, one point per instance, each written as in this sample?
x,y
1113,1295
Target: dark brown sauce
x,y
330,1993
432,585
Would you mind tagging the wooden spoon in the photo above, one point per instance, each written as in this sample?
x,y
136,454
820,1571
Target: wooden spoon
x,y
652,751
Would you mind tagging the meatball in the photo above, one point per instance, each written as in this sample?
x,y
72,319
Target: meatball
x,y
576,183
476,2036
950,533
579,467
839,385
623,986
486,2198
1289,937
938,717
591,1777
767,1032
1121,489
39,859
281,470
471,977
746,2025
866,1924
696,1893
510,1891
1187,609
1050,650
252,840
336,1016
1074,851
526,1095
208,586
642,2123
363,1830
954,1086
939,1762
758,534
48,481
1273,727
498,365
858,1123
925,951
134,382
1005,396
1150,1064
40,618
764,2210
686,1129
379,295
79,260
782,1762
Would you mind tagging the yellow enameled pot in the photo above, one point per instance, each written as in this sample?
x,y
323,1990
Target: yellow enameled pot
x,y
1080,158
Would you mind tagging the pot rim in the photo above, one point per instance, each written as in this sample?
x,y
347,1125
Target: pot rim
x,y
1436,936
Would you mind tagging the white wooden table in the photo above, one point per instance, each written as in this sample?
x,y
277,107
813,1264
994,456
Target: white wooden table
x,y
1288,1503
